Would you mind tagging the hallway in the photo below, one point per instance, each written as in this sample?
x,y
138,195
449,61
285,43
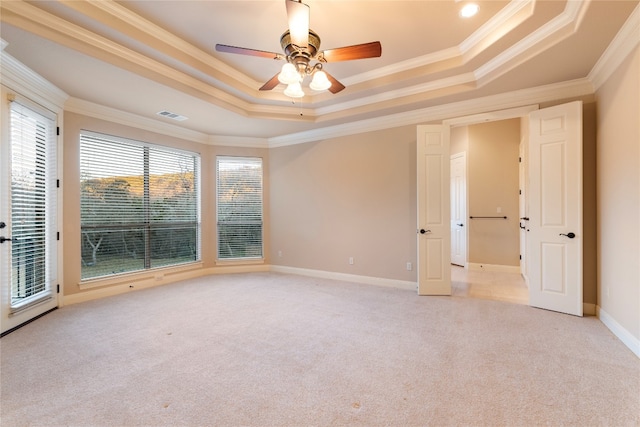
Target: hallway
x,y
499,286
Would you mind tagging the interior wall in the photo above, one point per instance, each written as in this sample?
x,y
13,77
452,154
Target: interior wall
x,y
353,196
459,139
493,183
73,124
618,192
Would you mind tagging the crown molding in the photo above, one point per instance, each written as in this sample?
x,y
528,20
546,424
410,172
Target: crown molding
x,y
558,91
627,39
240,97
97,111
90,109
512,15
106,10
17,77
432,86
557,29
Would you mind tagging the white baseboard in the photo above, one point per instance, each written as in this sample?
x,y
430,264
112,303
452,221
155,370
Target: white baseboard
x,y
619,331
474,266
367,280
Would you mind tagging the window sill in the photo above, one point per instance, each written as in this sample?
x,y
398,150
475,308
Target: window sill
x,y
240,261
152,274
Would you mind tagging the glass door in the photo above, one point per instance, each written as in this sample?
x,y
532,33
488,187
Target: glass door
x,y
28,231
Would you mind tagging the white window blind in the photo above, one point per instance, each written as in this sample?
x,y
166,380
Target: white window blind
x,y
239,207
140,205
33,205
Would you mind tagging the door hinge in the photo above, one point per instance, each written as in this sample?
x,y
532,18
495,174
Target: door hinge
x,y
57,289
58,130
519,159
57,183
58,235
520,192
520,256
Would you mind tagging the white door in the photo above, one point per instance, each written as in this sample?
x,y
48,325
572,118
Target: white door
x,y
554,242
458,209
522,208
434,236
28,242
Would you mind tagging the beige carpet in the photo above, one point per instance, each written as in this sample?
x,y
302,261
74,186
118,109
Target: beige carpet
x,y
282,350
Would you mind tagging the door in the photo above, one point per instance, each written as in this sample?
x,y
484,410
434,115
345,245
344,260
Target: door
x,y
28,242
459,209
434,234
522,207
554,242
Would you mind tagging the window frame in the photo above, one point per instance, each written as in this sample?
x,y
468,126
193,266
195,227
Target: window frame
x,y
147,224
248,258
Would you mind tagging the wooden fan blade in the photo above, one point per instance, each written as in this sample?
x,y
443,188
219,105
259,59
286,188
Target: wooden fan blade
x,y
249,52
273,82
298,16
358,51
336,86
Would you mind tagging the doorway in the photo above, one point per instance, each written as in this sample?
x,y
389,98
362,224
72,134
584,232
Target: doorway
x,y
554,271
489,153
28,230
434,198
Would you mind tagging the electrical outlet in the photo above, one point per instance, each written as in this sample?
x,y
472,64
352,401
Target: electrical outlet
x,y
350,260
279,254
409,266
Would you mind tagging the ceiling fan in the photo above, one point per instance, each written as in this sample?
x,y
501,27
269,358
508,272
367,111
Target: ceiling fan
x,y
301,47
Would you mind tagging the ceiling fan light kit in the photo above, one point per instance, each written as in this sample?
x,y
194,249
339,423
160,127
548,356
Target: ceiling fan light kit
x,y
289,74
294,90
320,81
302,46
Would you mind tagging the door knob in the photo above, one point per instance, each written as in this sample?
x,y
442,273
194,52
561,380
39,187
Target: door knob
x,y
461,225
569,235
2,224
7,239
423,231
525,218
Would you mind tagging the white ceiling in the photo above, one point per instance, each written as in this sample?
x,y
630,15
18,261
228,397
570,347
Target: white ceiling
x,y
145,56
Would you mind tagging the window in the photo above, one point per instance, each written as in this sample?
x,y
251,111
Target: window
x,y
239,205
140,205
33,205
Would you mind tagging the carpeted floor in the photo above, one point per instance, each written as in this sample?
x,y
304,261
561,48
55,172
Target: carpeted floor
x,y
269,349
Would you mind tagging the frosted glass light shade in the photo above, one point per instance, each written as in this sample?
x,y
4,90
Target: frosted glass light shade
x,y
294,90
289,74
320,81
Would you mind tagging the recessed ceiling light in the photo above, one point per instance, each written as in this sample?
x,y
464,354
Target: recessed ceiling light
x,y
469,10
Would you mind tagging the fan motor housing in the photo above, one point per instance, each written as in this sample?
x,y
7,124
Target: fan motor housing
x,y
292,51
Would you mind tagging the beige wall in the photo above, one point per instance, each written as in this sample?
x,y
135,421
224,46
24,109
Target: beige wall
x,y
459,139
73,123
618,190
493,184
352,196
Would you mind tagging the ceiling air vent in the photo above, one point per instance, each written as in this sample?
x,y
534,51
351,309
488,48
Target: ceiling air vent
x,y
171,115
